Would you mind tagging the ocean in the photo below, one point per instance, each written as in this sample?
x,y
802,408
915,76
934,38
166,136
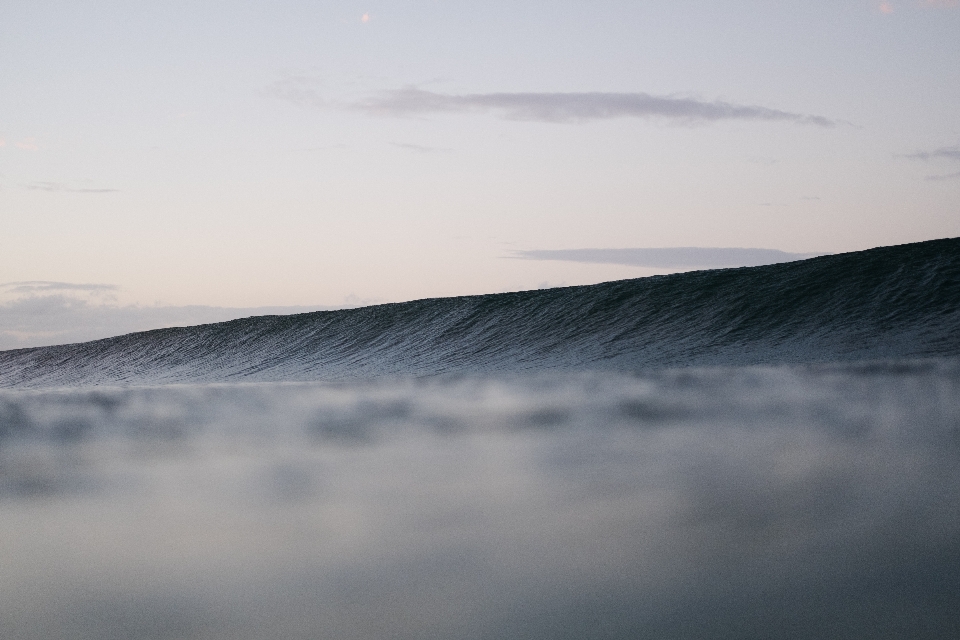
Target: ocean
x,y
740,453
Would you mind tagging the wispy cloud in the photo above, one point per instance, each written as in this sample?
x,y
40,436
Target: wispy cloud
x,y
47,286
668,257
42,312
37,313
948,153
576,107
420,148
944,176
59,187
540,107
766,162
28,144
300,89
887,6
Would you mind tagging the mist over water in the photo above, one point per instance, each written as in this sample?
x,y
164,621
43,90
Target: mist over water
x,y
749,502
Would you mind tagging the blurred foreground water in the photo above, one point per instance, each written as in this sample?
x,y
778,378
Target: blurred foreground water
x,y
751,502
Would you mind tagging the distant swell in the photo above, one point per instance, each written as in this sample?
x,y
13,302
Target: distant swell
x,y
889,302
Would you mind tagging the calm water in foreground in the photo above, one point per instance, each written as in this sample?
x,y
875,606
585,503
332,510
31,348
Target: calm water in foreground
x,y
788,502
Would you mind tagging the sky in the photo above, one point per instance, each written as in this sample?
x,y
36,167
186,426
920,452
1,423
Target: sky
x,y
298,155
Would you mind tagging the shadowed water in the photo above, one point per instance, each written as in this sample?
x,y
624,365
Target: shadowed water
x,y
749,502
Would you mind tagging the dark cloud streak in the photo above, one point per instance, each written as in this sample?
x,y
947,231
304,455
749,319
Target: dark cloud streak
x,y
46,286
944,176
539,107
668,257
420,148
58,187
576,107
948,153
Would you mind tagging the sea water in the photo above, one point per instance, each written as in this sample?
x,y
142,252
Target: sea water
x,y
890,302
729,502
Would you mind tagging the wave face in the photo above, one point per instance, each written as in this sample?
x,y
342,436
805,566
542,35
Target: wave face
x,y
888,302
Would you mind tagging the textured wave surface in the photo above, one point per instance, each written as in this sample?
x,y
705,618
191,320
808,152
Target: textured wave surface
x,y
889,302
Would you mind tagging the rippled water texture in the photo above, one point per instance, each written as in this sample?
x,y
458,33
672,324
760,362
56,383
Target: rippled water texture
x,y
780,502
889,302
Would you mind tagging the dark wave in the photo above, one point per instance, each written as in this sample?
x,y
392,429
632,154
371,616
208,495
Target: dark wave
x,y
888,302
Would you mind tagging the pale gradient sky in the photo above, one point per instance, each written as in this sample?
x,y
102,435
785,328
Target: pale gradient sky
x,y
247,154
